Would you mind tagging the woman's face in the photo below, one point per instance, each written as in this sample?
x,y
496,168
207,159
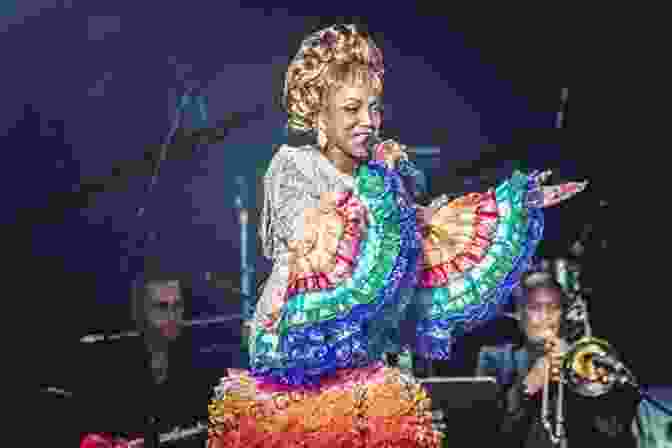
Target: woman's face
x,y
543,313
351,115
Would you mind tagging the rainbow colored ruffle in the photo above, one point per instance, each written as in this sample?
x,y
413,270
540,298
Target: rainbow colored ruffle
x,y
469,288
374,406
321,331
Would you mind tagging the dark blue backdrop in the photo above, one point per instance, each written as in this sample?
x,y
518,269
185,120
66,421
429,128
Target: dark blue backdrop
x,y
89,86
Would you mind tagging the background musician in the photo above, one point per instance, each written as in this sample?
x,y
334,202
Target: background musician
x,y
520,372
146,386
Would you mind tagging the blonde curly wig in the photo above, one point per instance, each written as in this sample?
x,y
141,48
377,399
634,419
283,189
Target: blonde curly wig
x,y
326,60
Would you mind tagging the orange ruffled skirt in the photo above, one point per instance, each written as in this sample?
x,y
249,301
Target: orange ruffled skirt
x,y
376,407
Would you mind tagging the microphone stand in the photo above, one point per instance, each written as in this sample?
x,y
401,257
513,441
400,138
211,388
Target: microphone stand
x,y
246,268
152,435
168,141
164,149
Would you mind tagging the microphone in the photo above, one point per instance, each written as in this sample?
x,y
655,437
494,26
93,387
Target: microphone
x,y
374,140
404,167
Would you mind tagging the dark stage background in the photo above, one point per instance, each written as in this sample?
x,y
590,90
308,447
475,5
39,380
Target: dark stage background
x,y
91,87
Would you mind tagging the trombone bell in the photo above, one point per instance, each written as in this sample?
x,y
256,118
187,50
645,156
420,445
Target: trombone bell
x,y
579,370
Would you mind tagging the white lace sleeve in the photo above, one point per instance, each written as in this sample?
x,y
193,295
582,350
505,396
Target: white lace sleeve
x,y
288,191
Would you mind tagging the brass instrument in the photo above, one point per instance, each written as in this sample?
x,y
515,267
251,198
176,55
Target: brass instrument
x,y
578,371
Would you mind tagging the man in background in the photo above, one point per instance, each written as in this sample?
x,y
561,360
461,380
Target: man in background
x,y
177,393
520,371
144,386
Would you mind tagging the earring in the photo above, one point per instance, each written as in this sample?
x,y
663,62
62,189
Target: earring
x,y
321,139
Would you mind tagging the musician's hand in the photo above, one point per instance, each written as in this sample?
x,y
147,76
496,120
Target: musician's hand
x,y
555,355
602,375
536,377
556,365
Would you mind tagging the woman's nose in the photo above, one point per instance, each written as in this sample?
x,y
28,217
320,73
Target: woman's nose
x,y
365,118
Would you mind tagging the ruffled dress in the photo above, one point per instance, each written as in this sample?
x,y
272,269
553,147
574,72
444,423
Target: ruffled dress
x,y
350,254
